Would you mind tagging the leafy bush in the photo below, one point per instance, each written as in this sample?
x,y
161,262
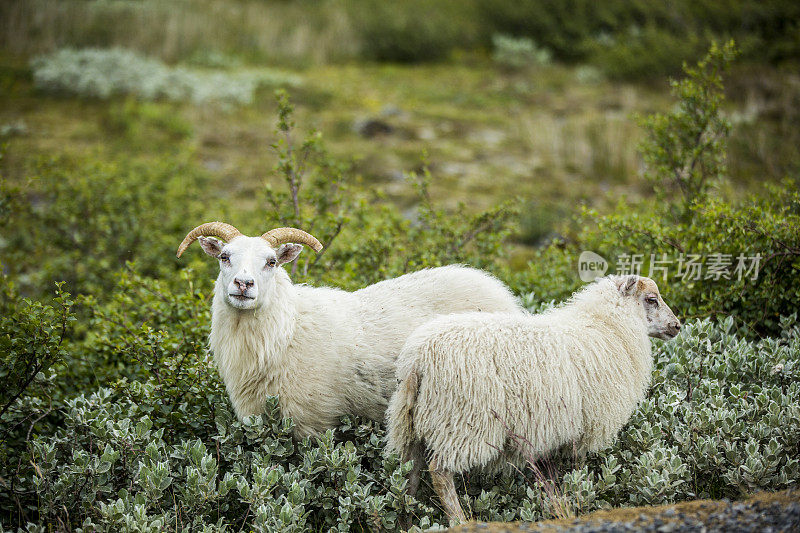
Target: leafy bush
x,y
685,149
755,245
413,31
81,220
712,256
98,73
721,420
32,336
518,52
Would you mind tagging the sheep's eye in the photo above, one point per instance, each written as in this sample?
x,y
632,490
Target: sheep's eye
x,y
652,300
272,263
225,258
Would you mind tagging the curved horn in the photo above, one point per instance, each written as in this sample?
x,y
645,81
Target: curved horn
x,y
276,237
222,230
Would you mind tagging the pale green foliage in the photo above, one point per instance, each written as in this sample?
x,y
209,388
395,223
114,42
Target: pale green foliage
x,y
81,219
98,73
519,52
722,419
127,473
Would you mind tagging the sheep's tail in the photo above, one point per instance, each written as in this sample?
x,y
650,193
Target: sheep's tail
x,y
400,416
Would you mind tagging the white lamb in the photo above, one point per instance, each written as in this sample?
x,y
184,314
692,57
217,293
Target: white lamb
x,y
323,352
476,388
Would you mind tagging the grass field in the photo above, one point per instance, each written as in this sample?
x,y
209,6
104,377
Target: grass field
x,y
544,136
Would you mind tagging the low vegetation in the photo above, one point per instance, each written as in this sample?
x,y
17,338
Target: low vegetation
x,y
162,447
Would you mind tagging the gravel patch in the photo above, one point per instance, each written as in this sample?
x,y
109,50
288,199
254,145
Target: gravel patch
x,y
764,513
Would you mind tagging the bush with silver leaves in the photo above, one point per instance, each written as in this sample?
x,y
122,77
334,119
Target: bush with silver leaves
x,y
104,73
519,52
165,451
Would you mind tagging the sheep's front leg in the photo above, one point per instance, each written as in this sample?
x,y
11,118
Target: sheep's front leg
x,y
446,490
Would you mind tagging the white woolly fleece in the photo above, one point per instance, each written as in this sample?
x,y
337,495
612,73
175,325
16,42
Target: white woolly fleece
x,y
572,374
326,352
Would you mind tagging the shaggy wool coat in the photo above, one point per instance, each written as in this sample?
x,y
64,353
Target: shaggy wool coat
x,y
481,390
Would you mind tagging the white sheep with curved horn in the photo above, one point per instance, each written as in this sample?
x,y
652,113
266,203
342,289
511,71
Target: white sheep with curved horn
x,y
323,352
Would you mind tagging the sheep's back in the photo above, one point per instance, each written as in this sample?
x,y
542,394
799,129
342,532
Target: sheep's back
x,y
390,310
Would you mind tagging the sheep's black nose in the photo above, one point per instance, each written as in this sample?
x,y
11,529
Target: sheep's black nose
x,y
677,326
243,284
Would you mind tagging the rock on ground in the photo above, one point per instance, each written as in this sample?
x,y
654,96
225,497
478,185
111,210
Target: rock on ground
x,y
765,512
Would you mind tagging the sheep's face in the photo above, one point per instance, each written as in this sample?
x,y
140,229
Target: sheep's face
x,y
661,321
247,266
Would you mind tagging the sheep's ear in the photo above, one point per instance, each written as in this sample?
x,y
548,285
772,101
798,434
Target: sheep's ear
x,y
211,246
288,252
626,285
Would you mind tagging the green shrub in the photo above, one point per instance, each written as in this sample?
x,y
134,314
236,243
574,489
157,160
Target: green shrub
x,y
685,149
32,336
413,31
762,232
712,257
80,220
32,344
517,53
722,419
144,328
